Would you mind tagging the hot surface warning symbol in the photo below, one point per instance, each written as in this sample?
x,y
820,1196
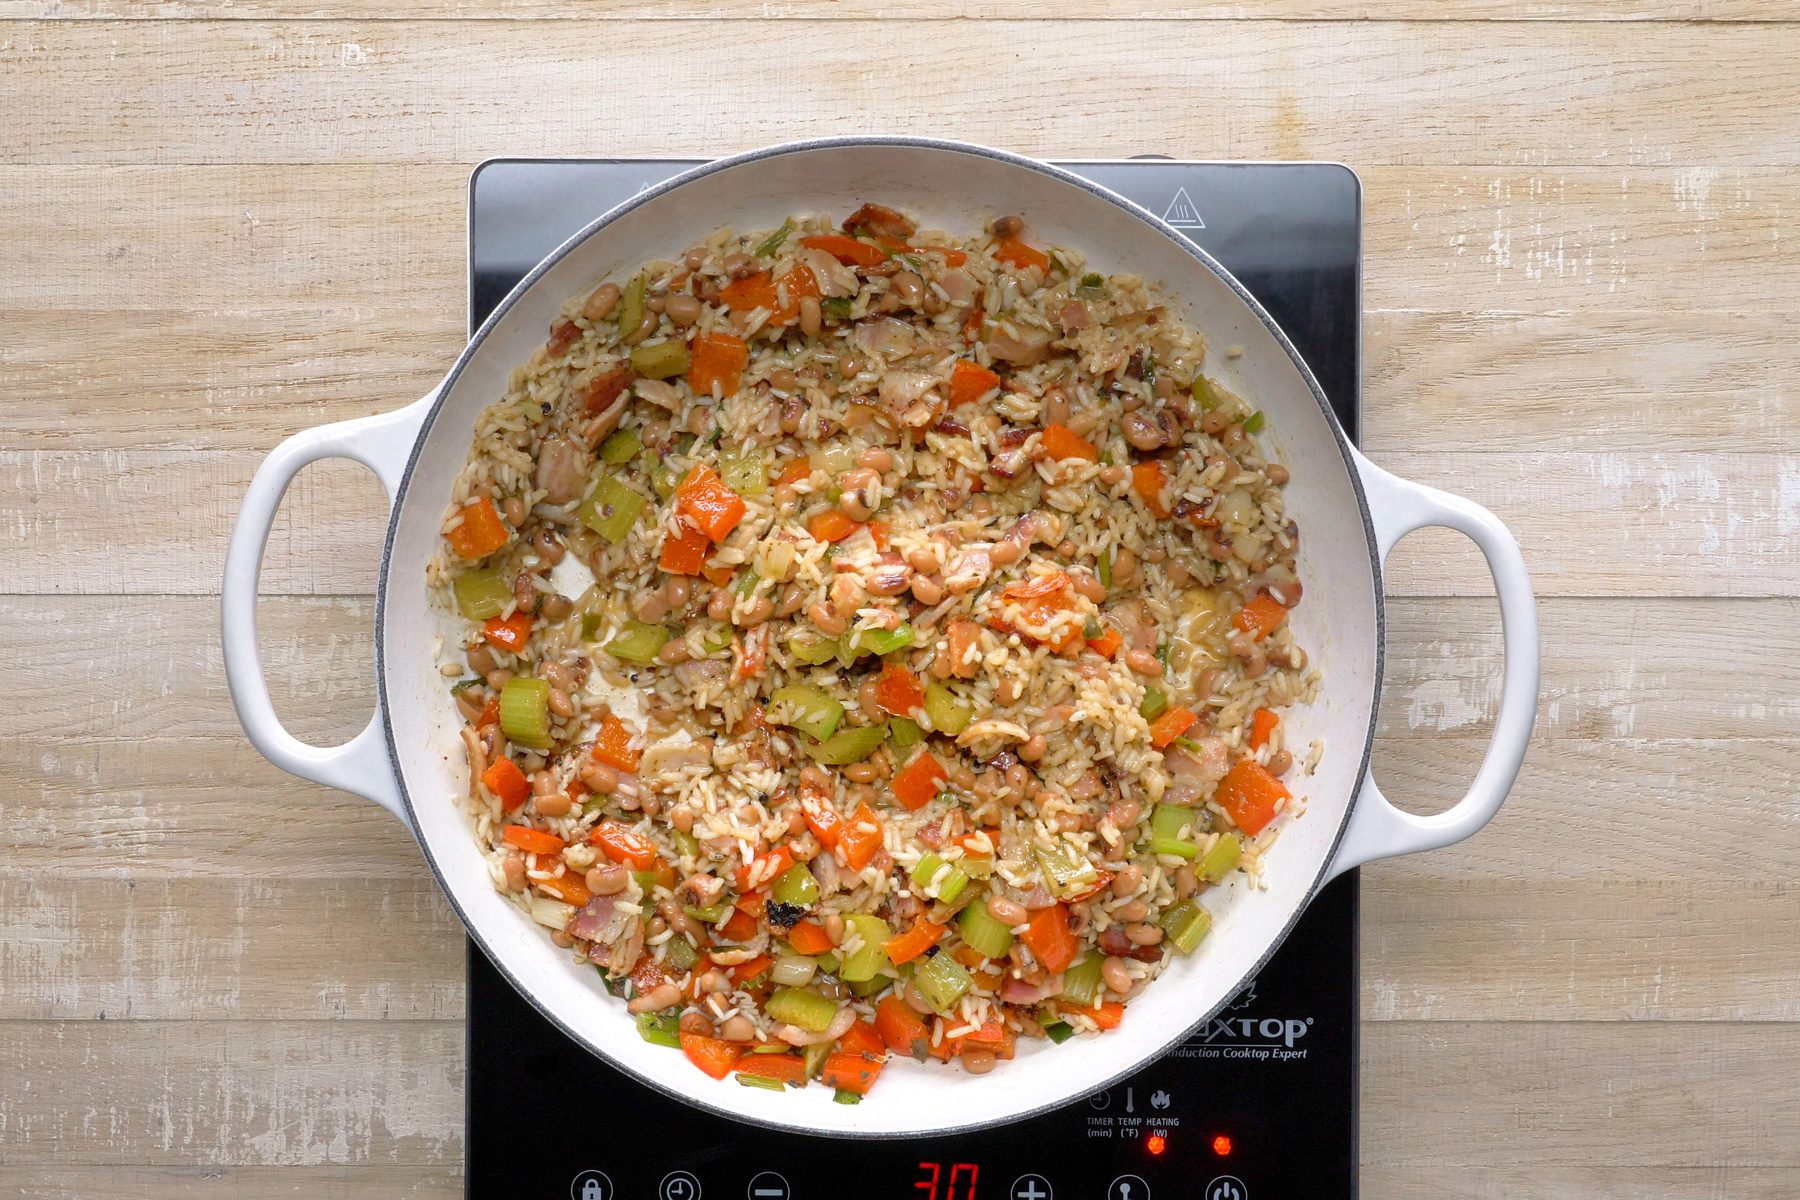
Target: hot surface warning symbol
x,y
1181,212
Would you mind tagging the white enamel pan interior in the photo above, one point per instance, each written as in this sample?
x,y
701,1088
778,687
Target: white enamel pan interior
x,y
1350,514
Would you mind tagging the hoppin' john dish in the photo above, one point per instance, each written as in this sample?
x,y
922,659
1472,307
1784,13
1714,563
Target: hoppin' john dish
x,y
876,644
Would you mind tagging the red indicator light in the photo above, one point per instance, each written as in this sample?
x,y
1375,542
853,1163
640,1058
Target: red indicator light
x,y
1222,1145
1156,1143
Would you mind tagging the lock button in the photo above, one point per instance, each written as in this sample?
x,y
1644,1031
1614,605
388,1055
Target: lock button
x,y
591,1185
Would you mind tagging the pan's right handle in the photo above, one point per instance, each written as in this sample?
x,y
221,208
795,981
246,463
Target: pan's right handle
x,y
361,765
1376,828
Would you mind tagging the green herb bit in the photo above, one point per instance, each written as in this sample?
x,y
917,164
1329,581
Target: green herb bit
x,y
843,1097
772,243
1059,1032
1254,422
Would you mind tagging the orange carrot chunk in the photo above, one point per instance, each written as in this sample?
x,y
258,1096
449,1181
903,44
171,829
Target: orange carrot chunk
x,y
532,841
1250,795
916,784
510,634
1262,727
901,1028
1261,617
969,382
897,691
715,1057
1061,442
718,358
850,1073
708,504
567,887
507,782
831,526
613,746
1020,255
786,1068
1107,644
1171,725
809,938
1050,939
481,533
914,942
1148,479
846,250
624,845
860,838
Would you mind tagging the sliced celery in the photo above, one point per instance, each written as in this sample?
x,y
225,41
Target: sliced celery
x,y
772,243
745,470
686,844
1202,391
850,745
793,970
525,712
712,914
870,986
808,1010
679,953
796,886
814,1057
1154,704
1254,422
841,1096
813,650
949,886
905,732
828,963
836,308
1081,982
947,713
638,642
809,709
942,981
1221,858
621,447
1066,873
646,881
978,866
660,1029
1059,1032
631,306
662,476
660,360
716,640
985,933
481,593
871,956
1166,824
744,586
611,509
1092,286
1105,568
881,641
1186,924
745,1079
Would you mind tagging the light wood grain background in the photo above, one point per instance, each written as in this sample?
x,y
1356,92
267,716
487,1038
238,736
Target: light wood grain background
x,y
222,222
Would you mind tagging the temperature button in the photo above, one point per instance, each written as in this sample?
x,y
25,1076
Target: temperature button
x,y
1128,1187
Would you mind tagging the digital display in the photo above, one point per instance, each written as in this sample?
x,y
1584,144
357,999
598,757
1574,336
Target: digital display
x,y
947,1181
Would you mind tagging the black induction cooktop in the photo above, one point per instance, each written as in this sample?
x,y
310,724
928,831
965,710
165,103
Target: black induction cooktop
x,y
1258,1104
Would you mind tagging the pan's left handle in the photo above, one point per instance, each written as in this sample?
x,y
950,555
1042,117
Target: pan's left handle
x,y
382,443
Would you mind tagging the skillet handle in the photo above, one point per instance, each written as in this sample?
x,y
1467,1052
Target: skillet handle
x,y
1376,828
382,443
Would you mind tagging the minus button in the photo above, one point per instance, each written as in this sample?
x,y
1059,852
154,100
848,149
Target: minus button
x,y
769,1186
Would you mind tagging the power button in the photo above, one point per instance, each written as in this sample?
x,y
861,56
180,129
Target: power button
x,y
1227,1187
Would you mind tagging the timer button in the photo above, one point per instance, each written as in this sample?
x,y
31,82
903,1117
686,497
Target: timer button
x,y
679,1185
1032,1187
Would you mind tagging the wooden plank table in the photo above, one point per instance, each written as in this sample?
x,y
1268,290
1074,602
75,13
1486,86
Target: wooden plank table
x,y
221,222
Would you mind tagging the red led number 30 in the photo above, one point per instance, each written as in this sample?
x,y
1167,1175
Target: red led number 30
x,y
958,1185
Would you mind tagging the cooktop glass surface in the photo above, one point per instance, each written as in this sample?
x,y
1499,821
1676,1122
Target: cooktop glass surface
x,y
1259,1103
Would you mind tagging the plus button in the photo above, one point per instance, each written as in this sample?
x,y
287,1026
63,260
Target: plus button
x,y
1031,1187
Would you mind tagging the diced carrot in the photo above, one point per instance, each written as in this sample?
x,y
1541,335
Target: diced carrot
x,y
1107,644
740,926
846,250
490,713
959,636
1262,727
831,526
1020,255
850,1073
764,869
1061,442
508,783
1149,479
708,504
901,1028
969,957
755,904
717,358
613,746
750,654
624,844
717,576
809,938
794,472
992,1035
1046,584
861,1038
717,1058
1250,795
532,841
563,334
1261,617
509,634
916,784
1049,938
744,972
897,691
952,256
824,821
648,972
1107,1015
568,887
750,293
909,945
1039,611
796,285
481,532
1102,881
1171,725
785,1068
969,382
857,844
879,533
685,553
971,326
